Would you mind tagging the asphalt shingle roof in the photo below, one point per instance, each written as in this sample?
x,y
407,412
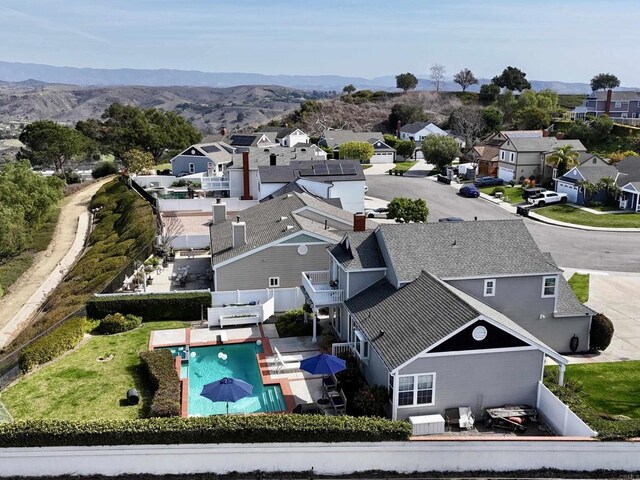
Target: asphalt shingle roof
x,y
335,138
463,249
567,304
364,252
264,225
630,167
543,144
309,170
616,96
417,316
593,173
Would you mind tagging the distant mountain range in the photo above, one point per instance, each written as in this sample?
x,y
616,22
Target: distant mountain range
x,y
33,73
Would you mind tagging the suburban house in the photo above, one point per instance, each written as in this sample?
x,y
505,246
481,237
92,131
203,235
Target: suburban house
x,y
629,183
383,153
244,141
287,137
485,153
209,158
522,157
619,105
440,325
266,171
590,171
271,244
418,131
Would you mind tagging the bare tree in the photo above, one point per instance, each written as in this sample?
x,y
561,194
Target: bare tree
x,y
437,75
169,228
465,79
468,123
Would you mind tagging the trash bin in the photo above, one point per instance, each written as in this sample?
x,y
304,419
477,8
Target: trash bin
x,y
498,194
132,396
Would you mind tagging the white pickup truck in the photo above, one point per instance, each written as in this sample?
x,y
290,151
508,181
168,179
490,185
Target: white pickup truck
x,y
547,197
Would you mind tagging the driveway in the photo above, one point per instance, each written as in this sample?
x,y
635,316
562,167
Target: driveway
x,y
616,295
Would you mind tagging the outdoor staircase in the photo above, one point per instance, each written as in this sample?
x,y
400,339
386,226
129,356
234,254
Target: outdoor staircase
x,y
272,401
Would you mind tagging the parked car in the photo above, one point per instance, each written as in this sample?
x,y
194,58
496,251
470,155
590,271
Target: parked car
x,y
547,197
532,192
376,212
469,191
488,181
451,219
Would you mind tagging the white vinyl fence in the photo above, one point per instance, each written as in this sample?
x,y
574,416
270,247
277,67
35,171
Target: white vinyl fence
x,y
202,204
322,458
559,416
185,242
284,298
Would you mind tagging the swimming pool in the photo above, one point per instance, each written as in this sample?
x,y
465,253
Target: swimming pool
x,y
204,366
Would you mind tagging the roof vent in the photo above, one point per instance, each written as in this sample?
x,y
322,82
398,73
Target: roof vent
x,y
287,228
454,243
289,195
282,219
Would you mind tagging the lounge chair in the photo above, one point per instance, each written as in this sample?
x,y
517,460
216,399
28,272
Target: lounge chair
x,y
290,362
339,402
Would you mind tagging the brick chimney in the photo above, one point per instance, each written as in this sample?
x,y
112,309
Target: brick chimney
x,y
238,233
359,222
219,211
607,106
245,177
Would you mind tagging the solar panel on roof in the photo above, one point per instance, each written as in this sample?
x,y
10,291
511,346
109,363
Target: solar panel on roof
x,y
242,140
321,170
210,149
335,169
349,169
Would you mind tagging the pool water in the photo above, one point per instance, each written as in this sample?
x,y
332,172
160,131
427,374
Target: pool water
x,y
205,367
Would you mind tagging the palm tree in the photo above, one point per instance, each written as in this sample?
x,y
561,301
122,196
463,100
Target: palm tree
x,y
588,188
611,189
565,157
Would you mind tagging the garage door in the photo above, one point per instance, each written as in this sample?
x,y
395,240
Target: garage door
x,y
569,189
505,174
382,157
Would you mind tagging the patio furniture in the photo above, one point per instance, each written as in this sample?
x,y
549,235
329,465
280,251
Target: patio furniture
x,y
511,417
461,417
307,409
323,364
338,402
289,362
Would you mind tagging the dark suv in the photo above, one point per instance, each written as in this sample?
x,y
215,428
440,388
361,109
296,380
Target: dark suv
x,y
488,181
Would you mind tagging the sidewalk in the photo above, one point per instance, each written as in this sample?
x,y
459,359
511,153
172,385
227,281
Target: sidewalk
x,y
378,169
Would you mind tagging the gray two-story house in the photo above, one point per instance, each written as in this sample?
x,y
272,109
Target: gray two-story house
x,y
622,104
441,325
208,158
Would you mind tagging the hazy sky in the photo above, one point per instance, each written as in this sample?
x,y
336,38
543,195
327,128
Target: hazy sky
x,y
568,40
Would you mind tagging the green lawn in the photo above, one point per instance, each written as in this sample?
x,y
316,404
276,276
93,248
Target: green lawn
x,y
366,165
569,214
579,283
77,387
513,193
610,388
163,166
403,166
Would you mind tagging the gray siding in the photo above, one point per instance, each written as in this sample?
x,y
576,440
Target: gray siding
x,y
359,281
284,261
375,372
478,381
180,164
520,299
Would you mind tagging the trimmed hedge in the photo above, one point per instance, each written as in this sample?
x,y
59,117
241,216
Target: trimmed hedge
x,y
601,332
152,307
118,323
214,429
54,344
159,365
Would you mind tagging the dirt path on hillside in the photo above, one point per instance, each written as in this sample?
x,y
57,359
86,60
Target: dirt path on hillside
x,y
26,295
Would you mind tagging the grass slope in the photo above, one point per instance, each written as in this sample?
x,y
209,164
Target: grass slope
x,y
11,270
513,193
579,283
568,214
77,387
610,388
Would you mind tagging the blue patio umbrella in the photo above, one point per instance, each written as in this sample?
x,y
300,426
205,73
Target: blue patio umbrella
x,y
227,390
323,364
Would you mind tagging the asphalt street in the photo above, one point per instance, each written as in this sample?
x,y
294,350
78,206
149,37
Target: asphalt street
x,y
570,248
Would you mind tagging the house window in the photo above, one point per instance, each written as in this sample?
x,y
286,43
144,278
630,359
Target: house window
x,y
361,345
618,104
512,157
502,155
416,390
489,288
549,285
192,168
274,282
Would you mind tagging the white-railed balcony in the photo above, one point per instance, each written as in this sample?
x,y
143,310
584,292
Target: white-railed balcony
x,y
321,290
212,184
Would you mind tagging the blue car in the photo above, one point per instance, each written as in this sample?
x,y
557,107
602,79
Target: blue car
x,y
488,181
469,191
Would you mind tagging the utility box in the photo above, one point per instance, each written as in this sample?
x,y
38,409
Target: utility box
x,y
427,424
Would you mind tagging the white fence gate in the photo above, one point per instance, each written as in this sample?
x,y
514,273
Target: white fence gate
x,y
559,416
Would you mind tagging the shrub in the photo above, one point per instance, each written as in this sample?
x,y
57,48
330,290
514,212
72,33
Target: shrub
x,y
601,332
105,168
198,430
292,324
53,344
160,368
498,190
370,401
151,307
118,323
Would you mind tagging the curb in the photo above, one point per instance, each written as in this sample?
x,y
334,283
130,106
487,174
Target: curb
x,y
557,223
